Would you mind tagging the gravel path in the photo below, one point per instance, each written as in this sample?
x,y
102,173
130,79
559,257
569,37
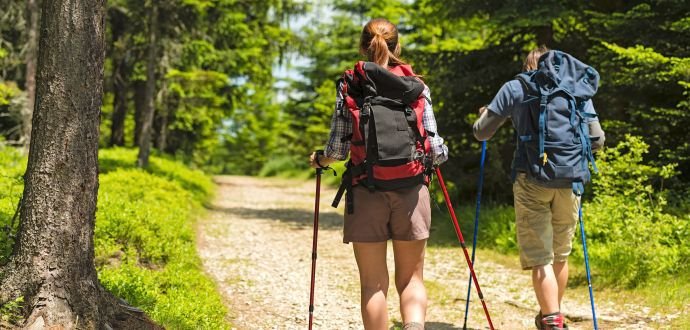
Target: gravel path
x,y
256,244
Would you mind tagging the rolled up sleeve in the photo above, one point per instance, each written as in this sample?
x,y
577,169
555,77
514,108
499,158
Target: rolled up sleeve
x,y
341,125
439,150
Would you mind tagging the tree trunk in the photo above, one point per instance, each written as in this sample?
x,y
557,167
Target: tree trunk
x,y
162,118
147,117
33,13
120,87
121,70
139,87
53,263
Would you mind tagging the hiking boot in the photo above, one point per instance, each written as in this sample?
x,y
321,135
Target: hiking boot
x,y
555,321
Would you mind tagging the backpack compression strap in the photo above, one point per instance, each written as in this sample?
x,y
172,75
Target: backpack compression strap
x,y
542,126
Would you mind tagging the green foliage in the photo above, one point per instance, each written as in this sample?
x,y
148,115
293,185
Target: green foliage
x,y
201,106
144,235
286,166
193,181
178,296
11,311
251,136
11,187
149,222
8,90
297,168
332,47
496,226
631,237
221,96
144,240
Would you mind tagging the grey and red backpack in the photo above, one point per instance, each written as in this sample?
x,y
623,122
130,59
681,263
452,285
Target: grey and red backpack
x,y
389,148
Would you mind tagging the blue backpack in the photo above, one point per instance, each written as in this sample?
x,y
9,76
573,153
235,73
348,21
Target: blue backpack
x,y
554,140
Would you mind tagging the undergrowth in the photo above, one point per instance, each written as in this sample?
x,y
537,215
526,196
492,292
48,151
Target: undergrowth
x,y
144,237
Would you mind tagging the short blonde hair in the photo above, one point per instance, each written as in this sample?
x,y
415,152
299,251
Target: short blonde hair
x,y
532,59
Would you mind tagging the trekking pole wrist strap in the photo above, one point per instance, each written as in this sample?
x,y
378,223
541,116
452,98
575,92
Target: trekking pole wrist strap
x,y
316,159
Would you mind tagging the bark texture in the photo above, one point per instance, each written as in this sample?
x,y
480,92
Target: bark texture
x,y
53,262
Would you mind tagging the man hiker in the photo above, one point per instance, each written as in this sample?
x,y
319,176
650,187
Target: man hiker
x,y
556,131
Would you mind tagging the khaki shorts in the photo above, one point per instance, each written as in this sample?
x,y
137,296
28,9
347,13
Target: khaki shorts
x,y
403,214
545,221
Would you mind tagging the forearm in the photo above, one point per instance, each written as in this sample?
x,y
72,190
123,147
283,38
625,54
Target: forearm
x,y
596,135
439,151
486,126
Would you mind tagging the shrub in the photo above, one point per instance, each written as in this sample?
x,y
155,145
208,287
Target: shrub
x,y
496,225
11,187
630,235
144,237
145,240
193,181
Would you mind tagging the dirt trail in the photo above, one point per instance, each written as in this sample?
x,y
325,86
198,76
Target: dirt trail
x,y
256,244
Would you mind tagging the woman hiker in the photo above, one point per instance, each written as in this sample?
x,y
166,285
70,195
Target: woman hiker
x,y
383,119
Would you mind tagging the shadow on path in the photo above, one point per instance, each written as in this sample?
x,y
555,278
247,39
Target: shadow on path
x,y
327,220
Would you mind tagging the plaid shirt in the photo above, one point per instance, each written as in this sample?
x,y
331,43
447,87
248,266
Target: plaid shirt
x,y
341,126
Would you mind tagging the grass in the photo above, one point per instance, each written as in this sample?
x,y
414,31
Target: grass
x,y
11,187
144,236
665,296
145,224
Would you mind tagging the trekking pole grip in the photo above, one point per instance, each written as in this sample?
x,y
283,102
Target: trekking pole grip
x,y
321,168
318,153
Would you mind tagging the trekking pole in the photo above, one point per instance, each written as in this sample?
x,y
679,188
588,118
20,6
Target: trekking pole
x,y
315,237
462,243
476,229
589,277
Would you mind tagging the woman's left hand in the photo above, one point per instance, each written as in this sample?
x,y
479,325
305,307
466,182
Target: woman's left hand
x,y
322,162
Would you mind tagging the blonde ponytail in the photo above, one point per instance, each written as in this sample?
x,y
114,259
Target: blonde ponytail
x,y
378,50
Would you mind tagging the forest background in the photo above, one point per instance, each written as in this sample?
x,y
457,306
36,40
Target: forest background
x,y
248,87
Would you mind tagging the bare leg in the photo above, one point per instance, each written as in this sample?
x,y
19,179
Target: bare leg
x,y
545,288
373,278
560,270
409,280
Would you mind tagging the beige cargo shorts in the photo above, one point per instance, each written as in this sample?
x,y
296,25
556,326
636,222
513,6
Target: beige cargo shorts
x,y
545,222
